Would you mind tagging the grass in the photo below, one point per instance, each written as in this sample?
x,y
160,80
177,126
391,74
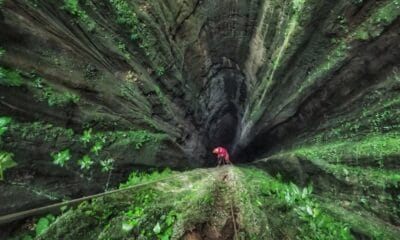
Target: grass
x,y
368,176
376,147
267,207
141,177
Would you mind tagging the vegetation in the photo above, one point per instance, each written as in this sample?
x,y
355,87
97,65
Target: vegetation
x,y
269,193
6,158
39,228
52,97
85,163
6,162
140,177
43,224
10,78
73,7
376,23
61,158
139,31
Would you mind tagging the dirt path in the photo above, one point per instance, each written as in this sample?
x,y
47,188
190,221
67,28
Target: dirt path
x,y
222,225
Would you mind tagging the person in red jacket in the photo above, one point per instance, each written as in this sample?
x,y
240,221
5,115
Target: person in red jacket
x,y
222,155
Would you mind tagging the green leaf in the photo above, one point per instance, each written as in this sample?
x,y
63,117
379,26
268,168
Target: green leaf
x,y
42,226
85,163
98,146
127,227
61,158
6,160
87,136
107,165
157,228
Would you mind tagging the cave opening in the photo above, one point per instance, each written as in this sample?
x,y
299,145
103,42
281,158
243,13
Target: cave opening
x,y
222,103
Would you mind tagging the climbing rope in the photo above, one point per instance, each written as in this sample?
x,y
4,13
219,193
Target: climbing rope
x,y
235,236
57,206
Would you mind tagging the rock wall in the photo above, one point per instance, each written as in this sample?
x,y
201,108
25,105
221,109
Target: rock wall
x,y
160,83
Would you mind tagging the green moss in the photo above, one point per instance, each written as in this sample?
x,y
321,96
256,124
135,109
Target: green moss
x,y
376,147
361,223
368,176
379,19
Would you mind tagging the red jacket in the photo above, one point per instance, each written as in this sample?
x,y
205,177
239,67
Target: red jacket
x,y
221,152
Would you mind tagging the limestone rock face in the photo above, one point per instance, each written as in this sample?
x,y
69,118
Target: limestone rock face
x,y
160,83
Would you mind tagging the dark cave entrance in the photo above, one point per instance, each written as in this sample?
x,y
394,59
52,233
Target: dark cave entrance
x,y
222,106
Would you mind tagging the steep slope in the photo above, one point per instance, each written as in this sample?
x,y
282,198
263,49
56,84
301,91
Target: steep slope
x,y
309,89
219,203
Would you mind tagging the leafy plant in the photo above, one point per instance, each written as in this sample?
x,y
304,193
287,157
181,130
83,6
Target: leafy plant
x,y
72,6
85,163
53,97
139,30
107,165
86,136
4,122
61,158
137,177
10,78
6,162
43,224
97,147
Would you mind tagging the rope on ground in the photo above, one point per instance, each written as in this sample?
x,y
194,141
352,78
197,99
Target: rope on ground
x,y
235,234
56,206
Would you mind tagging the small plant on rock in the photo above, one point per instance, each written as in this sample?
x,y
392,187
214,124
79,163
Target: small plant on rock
x,y
85,163
6,162
97,147
61,158
87,136
107,166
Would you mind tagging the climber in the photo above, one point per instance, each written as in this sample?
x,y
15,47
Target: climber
x,y
222,155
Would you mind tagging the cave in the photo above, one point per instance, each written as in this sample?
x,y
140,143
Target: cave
x,y
99,96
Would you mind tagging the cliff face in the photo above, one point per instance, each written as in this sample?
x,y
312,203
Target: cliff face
x,y
159,83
